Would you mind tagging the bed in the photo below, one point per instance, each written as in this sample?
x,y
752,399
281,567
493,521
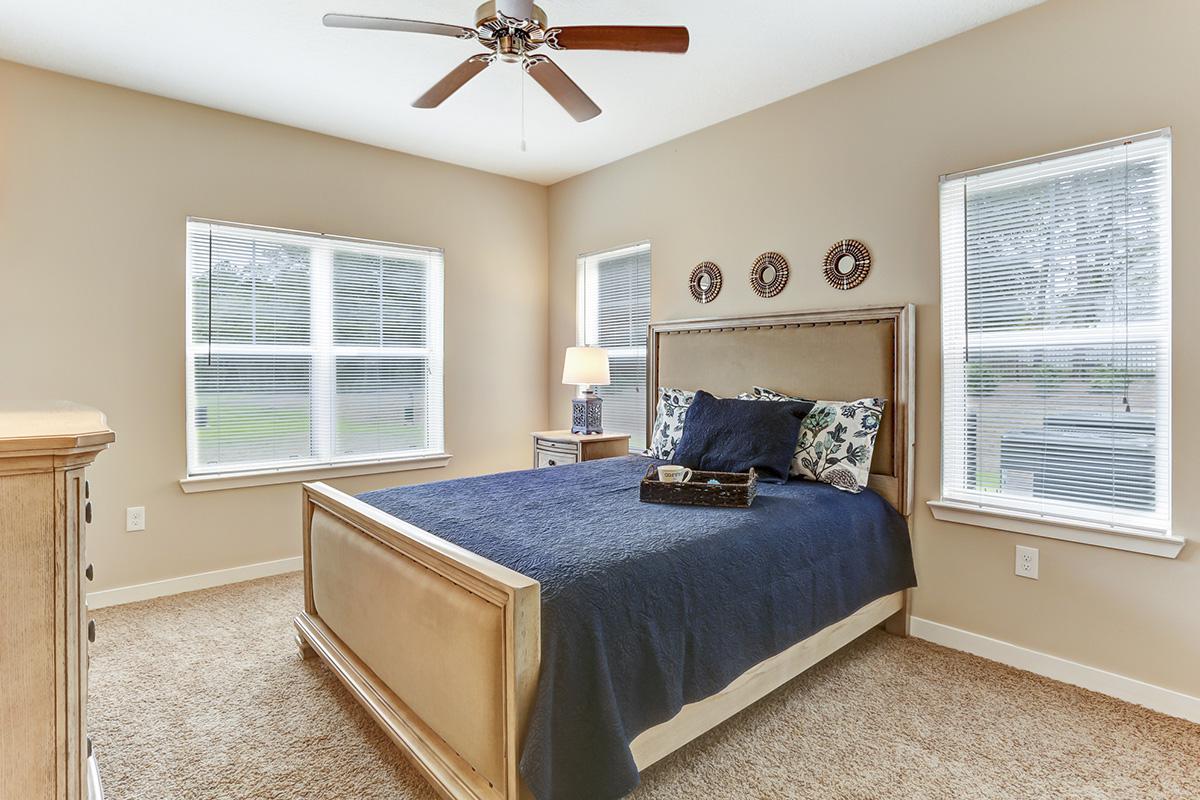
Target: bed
x,y
469,668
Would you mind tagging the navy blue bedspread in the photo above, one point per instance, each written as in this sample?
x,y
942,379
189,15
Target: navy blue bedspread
x,y
646,607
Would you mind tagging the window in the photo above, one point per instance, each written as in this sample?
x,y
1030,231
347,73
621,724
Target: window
x,y
309,350
1056,338
613,312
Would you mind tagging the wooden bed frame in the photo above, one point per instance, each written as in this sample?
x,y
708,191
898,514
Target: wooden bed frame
x,y
442,646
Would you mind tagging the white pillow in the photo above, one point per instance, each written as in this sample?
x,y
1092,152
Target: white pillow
x,y
672,408
837,440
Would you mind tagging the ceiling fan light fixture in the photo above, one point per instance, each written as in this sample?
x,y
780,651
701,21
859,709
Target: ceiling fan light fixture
x,y
510,48
488,13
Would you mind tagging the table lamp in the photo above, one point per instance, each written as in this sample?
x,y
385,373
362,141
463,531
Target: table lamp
x,y
586,367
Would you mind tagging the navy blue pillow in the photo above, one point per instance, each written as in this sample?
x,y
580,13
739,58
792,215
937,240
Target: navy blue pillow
x,y
735,435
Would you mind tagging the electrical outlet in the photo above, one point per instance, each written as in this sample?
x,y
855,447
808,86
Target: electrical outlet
x,y
135,518
1027,562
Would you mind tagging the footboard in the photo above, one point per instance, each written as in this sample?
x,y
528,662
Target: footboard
x,y
440,645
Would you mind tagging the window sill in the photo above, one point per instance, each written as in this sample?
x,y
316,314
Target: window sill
x,y
268,477
1017,522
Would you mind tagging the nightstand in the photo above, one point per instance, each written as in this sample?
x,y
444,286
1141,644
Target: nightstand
x,y
553,448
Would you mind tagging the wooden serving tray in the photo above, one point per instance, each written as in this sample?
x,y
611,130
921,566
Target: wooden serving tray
x,y
735,490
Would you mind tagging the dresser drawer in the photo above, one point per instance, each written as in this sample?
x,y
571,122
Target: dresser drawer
x,y
554,458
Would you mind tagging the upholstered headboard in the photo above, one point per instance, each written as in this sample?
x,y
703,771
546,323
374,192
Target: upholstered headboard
x,y
822,355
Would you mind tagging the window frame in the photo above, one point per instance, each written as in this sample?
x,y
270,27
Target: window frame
x,y
1123,535
323,355
587,324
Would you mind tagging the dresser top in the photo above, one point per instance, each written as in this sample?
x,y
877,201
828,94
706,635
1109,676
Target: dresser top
x,y
53,426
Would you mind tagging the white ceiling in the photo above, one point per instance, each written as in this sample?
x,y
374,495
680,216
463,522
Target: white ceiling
x,y
272,59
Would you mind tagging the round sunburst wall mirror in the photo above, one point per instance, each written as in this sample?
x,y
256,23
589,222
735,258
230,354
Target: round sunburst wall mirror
x,y
769,274
847,264
705,282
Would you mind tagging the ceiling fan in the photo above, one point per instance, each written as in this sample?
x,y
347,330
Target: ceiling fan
x,y
512,30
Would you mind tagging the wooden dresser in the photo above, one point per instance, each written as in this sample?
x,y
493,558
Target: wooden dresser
x,y
44,626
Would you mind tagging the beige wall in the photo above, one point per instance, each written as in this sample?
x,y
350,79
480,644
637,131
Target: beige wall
x,y
95,183
860,158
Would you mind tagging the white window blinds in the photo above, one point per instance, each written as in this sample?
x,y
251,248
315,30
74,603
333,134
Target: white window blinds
x,y
1056,336
614,313
306,350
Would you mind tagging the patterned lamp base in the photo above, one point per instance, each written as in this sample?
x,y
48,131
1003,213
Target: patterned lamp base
x,y
585,413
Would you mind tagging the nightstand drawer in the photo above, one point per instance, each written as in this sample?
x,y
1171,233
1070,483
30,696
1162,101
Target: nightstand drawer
x,y
556,447
554,458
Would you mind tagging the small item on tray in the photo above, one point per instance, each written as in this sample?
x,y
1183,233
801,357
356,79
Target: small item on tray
x,y
672,473
721,489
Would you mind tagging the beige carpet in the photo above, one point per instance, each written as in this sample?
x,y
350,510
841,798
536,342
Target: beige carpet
x,y
202,696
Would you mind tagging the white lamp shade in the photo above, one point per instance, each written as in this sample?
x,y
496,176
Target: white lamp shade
x,y
586,365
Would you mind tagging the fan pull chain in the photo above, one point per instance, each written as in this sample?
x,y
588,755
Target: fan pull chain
x,y
524,77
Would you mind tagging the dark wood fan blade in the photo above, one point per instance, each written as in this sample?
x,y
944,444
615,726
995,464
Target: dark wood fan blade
x,y
560,86
457,78
646,39
392,24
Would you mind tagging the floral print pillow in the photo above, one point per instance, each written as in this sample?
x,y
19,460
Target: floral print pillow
x,y
673,405
836,441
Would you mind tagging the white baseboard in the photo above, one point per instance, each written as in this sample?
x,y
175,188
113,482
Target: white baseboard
x,y
190,583
1166,701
